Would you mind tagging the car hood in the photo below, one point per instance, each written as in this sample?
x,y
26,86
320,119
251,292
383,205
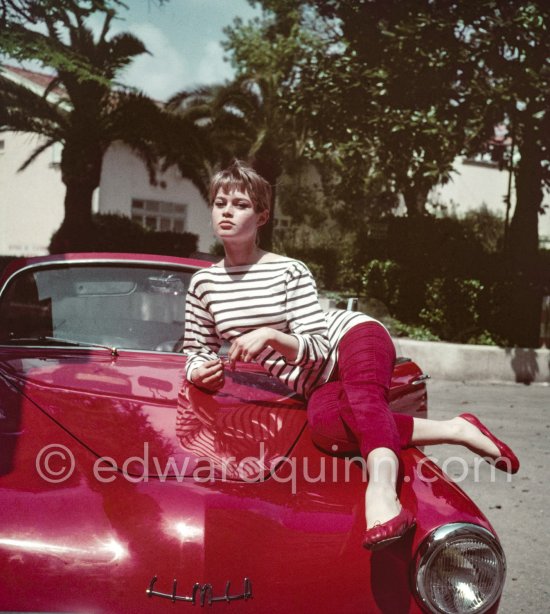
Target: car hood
x,y
135,412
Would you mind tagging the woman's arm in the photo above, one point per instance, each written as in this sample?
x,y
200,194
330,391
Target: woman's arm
x,y
306,319
201,344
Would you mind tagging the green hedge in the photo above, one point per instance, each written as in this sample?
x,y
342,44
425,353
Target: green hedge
x,y
116,233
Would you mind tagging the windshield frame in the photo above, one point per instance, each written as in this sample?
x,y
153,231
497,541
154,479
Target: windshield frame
x,y
189,266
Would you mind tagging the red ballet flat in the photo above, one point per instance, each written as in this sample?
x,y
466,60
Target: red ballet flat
x,y
507,460
381,535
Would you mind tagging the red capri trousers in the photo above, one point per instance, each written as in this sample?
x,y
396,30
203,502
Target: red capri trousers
x,y
352,413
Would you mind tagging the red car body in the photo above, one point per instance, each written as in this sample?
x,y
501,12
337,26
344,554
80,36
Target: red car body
x,y
123,489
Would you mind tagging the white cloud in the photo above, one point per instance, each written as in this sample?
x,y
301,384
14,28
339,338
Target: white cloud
x,y
163,72
212,68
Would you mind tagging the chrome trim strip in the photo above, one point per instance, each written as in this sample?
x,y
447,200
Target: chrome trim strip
x,y
40,265
420,379
91,347
205,593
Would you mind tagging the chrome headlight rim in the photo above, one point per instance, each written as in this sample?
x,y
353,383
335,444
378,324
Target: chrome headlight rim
x,y
438,540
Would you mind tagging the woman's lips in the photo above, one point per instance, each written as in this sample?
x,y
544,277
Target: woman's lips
x,y
226,224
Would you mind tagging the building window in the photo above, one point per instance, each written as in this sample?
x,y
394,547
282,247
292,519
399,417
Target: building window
x,y
159,215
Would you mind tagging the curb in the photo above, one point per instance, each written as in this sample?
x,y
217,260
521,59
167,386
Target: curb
x,y
457,362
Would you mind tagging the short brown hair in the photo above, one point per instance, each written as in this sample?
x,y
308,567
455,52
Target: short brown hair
x,y
240,177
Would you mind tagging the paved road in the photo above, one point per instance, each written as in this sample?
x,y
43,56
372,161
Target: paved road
x,y
519,509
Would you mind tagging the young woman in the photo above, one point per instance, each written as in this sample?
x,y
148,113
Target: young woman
x,y
265,305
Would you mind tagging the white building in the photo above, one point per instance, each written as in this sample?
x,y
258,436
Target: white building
x,y
174,204
478,182
31,201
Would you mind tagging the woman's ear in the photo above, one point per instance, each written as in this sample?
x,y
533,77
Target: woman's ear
x,y
263,217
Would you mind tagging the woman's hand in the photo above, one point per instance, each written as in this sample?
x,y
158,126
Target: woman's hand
x,y
248,346
209,375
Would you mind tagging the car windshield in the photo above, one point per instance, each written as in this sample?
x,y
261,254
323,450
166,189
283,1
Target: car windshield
x,y
116,305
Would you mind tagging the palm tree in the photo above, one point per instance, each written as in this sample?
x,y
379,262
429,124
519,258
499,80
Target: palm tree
x,y
90,112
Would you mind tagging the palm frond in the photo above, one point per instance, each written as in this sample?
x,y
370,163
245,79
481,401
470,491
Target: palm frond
x,y
23,110
52,85
36,153
187,100
119,51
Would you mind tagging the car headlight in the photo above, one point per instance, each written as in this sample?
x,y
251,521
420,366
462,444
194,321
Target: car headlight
x,y
459,569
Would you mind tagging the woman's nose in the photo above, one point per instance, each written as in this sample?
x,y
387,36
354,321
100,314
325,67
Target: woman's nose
x,y
227,210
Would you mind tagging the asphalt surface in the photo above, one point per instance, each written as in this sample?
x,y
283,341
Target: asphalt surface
x,y
517,506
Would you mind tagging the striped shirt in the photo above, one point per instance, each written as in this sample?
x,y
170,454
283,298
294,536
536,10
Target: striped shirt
x,y
226,302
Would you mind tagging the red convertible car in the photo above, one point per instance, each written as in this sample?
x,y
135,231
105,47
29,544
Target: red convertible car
x,y
123,490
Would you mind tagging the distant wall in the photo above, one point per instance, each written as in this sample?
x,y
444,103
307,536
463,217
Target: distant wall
x,y
453,361
31,201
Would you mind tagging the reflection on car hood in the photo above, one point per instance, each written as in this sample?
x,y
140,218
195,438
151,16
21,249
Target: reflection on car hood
x,y
137,410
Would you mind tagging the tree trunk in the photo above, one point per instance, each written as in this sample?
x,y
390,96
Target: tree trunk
x,y
524,233
78,209
266,164
523,240
415,200
81,172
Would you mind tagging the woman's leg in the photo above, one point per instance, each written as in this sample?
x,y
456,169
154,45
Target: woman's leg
x,y
381,501
336,435
352,415
365,364
354,411
366,358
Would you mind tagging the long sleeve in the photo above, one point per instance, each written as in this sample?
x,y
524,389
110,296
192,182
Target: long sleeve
x,y
201,342
306,319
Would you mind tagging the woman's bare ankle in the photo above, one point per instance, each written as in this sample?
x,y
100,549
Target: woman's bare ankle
x,y
472,438
381,504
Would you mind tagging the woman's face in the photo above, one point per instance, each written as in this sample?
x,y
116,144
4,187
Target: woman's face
x,y
234,217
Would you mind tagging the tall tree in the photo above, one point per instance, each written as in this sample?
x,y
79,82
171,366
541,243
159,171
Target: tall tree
x,y
83,108
510,45
424,80
388,89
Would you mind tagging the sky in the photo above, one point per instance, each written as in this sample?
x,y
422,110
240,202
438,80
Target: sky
x,y
183,37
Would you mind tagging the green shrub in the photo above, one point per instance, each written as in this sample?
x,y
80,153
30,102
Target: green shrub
x,y
380,280
485,338
418,332
452,308
484,228
322,262
511,311
111,232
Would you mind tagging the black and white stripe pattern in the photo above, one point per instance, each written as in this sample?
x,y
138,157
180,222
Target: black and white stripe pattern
x,y
224,303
